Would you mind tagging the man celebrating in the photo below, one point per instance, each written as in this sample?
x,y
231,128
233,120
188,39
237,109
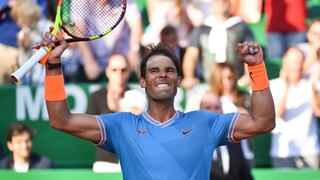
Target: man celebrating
x,y
162,143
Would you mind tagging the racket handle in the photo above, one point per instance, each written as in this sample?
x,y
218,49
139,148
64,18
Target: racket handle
x,y
35,58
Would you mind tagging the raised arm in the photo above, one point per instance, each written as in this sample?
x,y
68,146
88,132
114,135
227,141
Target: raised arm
x,y
80,125
261,118
188,67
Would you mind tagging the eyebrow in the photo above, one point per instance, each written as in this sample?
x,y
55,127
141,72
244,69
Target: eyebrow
x,y
153,68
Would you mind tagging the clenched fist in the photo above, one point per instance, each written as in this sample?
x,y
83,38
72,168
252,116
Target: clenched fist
x,y
250,53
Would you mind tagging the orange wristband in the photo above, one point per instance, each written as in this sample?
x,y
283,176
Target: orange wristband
x,y
258,77
54,88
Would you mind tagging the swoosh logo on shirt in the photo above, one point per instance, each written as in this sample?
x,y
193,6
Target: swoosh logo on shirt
x,y
251,76
184,132
141,132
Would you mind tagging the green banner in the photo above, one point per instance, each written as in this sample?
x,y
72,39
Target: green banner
x,y
26,104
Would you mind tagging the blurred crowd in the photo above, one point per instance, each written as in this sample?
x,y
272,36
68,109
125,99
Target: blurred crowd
x,y
204,34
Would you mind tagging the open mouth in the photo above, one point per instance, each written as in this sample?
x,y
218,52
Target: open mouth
x,y
163,86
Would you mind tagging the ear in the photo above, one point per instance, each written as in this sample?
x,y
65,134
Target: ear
x,y
142,82
179,81
10,146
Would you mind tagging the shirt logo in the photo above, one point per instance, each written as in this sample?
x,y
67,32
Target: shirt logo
x,y
141,132
184,132
251,77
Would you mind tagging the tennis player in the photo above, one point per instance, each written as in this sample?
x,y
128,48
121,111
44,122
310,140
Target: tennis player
x,y
162,143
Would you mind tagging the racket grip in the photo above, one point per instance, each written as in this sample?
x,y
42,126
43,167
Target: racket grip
x,y
35,58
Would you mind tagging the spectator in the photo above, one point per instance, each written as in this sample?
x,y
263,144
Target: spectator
x,y
311,47
213,42
124,39
19,142
295,142
8,39
198,10
228,160
249,10
286,25
173,13
33,26
108,100
169,36
223,83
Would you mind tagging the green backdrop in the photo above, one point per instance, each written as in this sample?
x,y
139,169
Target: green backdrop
x,y
26,104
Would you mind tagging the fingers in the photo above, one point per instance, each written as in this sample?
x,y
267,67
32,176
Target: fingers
x,y
242,48
48,40
248,48
51,40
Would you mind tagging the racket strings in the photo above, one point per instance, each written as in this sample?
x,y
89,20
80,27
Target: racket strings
x,y
87,18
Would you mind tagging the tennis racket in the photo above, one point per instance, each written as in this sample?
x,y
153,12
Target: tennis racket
x,y
81,20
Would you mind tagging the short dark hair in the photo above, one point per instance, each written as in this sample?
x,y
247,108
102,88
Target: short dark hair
x,y
167,31
159,49
18,129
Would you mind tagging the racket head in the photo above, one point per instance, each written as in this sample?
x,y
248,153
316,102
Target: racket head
x,y
85,20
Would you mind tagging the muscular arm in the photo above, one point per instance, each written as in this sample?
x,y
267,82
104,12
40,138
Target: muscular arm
x,y
261,118
262,115
80,125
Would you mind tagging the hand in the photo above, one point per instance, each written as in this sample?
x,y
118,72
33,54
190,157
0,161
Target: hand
x,y
51,40
92,70
250,53
188,83
244,80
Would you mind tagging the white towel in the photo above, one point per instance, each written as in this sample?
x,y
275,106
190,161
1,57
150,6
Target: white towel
x,y
218,35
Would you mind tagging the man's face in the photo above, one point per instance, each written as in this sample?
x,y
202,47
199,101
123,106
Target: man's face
x,y
161,79
210,102
21,145
117,71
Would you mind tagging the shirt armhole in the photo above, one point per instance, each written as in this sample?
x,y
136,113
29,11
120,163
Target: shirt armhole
x,y
231,128
103,132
